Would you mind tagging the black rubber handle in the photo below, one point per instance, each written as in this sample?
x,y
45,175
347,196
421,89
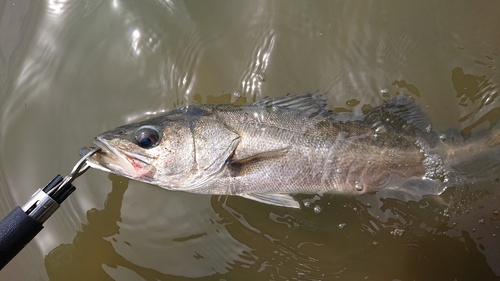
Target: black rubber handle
x,y
16,230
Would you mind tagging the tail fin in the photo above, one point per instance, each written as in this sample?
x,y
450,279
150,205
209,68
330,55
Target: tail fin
x,y
478,159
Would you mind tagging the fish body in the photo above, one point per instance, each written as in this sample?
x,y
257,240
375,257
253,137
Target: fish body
x,y
280,146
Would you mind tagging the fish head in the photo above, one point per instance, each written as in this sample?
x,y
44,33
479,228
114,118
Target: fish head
x,y
184,149
158,150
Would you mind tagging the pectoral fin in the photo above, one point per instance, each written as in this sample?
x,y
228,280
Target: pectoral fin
x,y
282,200
241,167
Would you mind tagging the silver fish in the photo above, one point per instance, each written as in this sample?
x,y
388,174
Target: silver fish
x,y
275,147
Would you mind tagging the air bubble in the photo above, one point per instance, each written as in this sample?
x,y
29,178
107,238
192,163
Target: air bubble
x,y
317,209
237,94
338,170
307,204
442,137
358,186
428,129
384,91
342,225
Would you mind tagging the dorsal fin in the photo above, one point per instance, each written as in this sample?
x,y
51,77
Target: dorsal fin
x,y
399,113
311,104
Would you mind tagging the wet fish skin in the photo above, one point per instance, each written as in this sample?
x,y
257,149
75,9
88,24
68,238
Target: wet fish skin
x,y
279,146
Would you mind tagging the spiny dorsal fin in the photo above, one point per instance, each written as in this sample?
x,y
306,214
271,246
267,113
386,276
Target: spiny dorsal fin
x,y
400,113
311,104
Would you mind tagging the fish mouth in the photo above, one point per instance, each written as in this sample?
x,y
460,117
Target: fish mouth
x,y
119,161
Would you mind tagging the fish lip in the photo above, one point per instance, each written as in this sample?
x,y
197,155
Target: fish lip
x,y
107,148
98,160
117,156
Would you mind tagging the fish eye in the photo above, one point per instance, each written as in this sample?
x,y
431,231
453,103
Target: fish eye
x,y
147,137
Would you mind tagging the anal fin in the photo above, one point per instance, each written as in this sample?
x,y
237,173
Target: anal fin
x,y
414,190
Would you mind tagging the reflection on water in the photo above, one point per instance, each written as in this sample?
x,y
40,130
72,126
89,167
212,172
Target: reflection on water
x,y
72,69
349,238
478,92
102,248
89,248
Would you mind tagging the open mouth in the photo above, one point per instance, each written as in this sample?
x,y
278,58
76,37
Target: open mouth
x,y
118,161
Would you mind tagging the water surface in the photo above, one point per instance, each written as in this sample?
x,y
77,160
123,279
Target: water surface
x,y
70,70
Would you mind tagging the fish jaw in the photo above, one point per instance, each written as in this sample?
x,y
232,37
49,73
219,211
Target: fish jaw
x,y
119,160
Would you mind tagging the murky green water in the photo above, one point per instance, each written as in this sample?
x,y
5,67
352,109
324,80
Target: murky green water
x,y
72,69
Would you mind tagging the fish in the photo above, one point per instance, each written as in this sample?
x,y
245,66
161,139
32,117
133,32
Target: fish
x,y
275,148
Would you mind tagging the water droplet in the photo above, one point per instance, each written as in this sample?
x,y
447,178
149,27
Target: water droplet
x,y
307,204
384,91
428,129
381,129
370,162
342,225
392,153
317,209
397,232
442,137
338,170
358,186
237,94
